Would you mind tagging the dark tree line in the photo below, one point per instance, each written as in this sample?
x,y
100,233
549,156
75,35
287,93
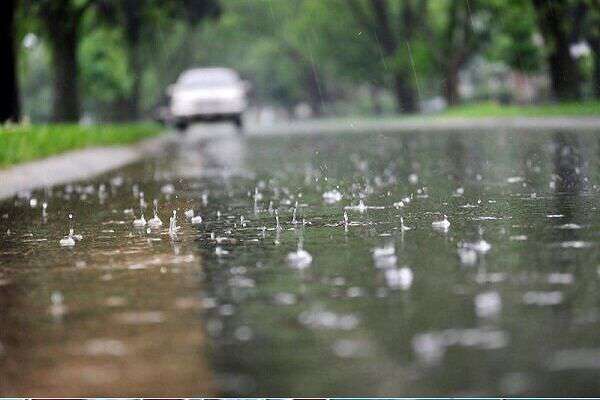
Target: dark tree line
x,y
9,99
61,25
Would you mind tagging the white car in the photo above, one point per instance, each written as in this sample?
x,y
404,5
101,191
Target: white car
x,y
207,94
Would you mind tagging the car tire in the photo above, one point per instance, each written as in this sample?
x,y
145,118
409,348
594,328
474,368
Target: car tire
x,y
181,126
239,124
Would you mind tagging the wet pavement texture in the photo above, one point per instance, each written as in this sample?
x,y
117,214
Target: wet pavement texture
x,y
503,301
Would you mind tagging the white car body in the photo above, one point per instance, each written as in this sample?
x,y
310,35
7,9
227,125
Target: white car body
x,y
208,94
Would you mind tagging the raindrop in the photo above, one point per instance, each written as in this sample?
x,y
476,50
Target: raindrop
x,y
219,251
243,333
398,204
413,179
300,258
400,278
57,306
542,298
173,228
294,221
332,196
155,221
467,256
385,251
189,214
167,189
488,304
278,227
402,226
69,240
139,222
442,225
44,212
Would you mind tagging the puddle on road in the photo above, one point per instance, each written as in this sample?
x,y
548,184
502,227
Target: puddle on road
x,y
504,299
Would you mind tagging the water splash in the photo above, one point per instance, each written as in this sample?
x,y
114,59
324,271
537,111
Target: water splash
x,y
385,257
196,220
278,227
294,220
71,238
402,226
155,221
442,225
300,258
399,278
139,222
332,196
44,212
173,228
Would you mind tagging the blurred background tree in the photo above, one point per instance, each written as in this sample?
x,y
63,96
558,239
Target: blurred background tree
x,y
102,60
9,101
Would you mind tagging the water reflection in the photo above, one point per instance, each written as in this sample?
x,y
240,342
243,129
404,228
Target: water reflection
x,y
568,163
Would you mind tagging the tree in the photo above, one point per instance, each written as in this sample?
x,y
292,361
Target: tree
x,y
512,36
393,27
463,34
61,21
592,35
9,100
274,44
105,76
138,20
345,48
556,24
133,17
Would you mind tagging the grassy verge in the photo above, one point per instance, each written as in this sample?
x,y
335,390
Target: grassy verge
x,y
491,109
21,143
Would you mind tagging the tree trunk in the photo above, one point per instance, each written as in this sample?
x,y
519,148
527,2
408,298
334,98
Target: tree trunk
x,y
375,100
63,28
595,46
66,93
405,95
565,76
452,48
315,93
133,24
9,100
451,81
564,73
134,97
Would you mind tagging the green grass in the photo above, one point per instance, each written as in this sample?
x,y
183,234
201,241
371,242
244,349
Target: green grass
x,y
492,109
20,143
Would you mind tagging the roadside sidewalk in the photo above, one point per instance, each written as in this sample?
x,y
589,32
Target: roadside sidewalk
x,y
74,165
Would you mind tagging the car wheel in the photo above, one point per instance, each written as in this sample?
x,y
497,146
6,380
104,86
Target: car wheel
x,y
239,124
181,126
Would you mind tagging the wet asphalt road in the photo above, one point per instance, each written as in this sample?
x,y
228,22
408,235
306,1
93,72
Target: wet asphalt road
x,y
504,301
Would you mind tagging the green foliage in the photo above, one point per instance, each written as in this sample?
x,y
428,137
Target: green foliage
x,y
103,63
35,89
514,36
314,51
20,143
492,109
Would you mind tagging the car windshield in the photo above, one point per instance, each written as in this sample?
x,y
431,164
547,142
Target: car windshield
x,y
207,79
